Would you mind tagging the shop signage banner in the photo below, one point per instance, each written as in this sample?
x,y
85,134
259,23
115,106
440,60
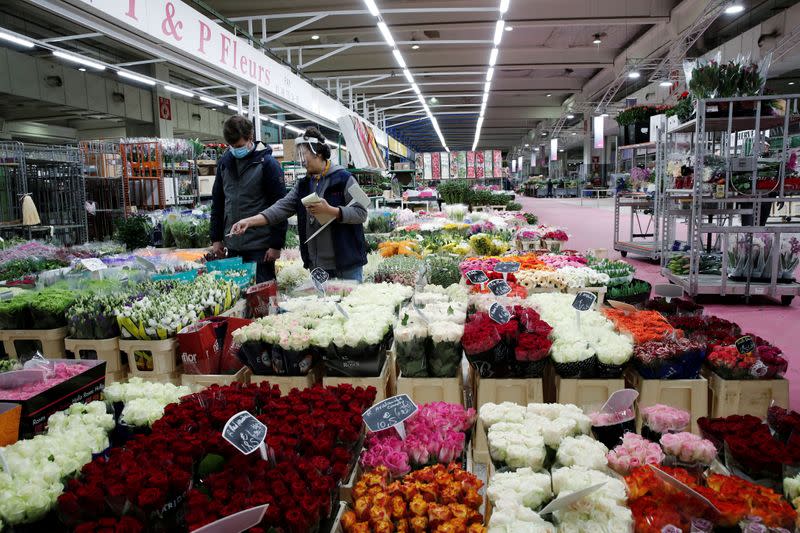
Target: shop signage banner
x,y
553,149
479,164
436,170
598,123
497,164
487,163
470,164
445,157
176,24
428,169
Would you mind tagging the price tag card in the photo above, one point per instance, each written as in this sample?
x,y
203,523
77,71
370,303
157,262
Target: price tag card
x,y
499,313
507,267
6,295
320,277
584,301
477,277
745,344
681,486
245,432
620,400
499,287
622,306
389,412
146,264
241,521
564,502
341,310
93,264
422,276
667,290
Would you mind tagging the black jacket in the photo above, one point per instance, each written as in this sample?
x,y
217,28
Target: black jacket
x,y
235,197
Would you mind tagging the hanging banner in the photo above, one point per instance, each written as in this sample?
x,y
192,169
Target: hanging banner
x,y
479,165
513,165
470,164
462,164
436,163
519,163
497,163
453,165
427,166
598,123
361,143
553,149
445,157
181,27
419,162
533,161
487,163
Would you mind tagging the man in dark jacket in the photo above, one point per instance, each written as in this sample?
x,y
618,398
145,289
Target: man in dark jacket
x,y
249,180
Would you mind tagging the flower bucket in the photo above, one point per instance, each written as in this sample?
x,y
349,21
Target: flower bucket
x,y
444,359
577,369
291,362
528,369
612,434
411,357
258,356
685,367
351,362
605,371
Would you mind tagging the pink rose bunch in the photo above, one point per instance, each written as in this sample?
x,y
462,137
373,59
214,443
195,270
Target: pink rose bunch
x,y
688,448
487,265
561,261
634,451
435,434
665,419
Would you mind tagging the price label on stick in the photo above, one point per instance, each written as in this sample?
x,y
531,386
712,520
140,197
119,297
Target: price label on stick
x,y
745,344
319,277
92,264
622,306
620,400
564,502
477,277
246,433
668,291
341,310
391,412
241,521
686,489
420,313
499,287
584,301
499,313
507,267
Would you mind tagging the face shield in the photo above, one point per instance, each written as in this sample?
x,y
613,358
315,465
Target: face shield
x,y
304,145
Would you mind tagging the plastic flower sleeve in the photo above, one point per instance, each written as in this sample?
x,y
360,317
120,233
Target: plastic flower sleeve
x,y
410,342
610,428
444,358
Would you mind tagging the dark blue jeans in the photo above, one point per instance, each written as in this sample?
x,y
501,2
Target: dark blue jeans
x,y
265,270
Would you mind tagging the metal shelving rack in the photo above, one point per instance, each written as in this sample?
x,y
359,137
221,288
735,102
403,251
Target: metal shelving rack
x,y
102,170
734,130
54,179
12,182
645,209
143,176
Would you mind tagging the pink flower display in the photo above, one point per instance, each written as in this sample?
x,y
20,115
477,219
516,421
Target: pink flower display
x,y
435,434
61,372
688,448
560,261
665,419
633,452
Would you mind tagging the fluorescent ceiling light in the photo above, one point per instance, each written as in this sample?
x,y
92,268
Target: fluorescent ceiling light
x,y
416,88
527,145
136,77
574,133
734,9
415,47
509,28
493,57
373,9
16,40
408,75
791,83
81,69
387,35
178,90
504,5
214,101
549,95
544,134
489,74
487,86
498,32
597,39
233,108
570,116
399,58
634,75
293,128
666,84
483,108
79,60
315,37
277,122
264,118
485,97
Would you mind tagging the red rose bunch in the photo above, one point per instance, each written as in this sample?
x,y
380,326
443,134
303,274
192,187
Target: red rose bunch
x,y
773,359
532,347
783,422
737,499
730,364
312,435
481,334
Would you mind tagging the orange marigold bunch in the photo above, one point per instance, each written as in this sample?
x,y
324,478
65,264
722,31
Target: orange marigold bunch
x,y
392,248
438,499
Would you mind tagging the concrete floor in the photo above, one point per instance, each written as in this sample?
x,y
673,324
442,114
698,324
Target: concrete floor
x,y
592,226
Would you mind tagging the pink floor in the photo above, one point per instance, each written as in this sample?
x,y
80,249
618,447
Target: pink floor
x,y
593,227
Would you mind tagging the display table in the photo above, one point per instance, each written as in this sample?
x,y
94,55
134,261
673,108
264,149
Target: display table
x,y
597,193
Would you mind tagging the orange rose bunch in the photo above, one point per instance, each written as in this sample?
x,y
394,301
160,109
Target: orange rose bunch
x,y
644,326
438,499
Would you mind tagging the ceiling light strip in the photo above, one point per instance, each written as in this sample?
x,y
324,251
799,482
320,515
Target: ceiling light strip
x,y
498,36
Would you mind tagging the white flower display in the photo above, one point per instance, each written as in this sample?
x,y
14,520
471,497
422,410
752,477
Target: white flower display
x,y
560,421
512,517
582,451
516,445
523,486
573,478
446,331
290,274
791,489
142,412
38,466
603,510
595,337
135,388
492,413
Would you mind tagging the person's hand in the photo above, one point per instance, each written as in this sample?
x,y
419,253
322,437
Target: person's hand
x,y
323,208
218,249
240,227
272,255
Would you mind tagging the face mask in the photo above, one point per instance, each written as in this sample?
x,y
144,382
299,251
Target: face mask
x,y
242,151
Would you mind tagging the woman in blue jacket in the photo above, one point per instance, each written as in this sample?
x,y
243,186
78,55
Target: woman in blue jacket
x,y
340,249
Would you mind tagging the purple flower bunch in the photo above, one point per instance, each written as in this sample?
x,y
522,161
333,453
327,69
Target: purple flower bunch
x,y
435,434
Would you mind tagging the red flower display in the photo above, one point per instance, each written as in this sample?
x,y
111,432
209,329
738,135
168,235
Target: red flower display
x,y
312,435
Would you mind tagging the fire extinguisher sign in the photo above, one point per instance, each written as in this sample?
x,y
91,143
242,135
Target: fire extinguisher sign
x,y
164,108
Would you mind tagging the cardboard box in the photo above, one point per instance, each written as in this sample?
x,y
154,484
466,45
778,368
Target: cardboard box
x,y
688,394
658,123
85,387
745,397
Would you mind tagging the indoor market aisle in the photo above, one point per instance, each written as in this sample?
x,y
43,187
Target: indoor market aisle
x,y
590,226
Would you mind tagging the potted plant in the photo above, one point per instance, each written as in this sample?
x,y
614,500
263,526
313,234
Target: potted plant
x,y
728,80
635,123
